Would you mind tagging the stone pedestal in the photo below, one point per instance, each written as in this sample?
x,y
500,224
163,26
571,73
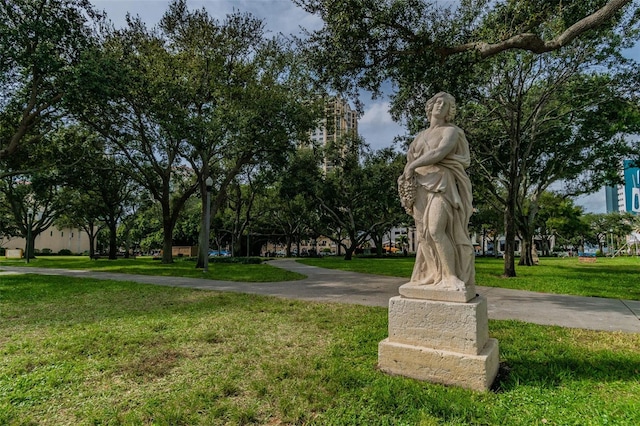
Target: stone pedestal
x,y
440,341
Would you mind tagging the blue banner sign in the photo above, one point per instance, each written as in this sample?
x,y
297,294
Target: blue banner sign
x,y
631,187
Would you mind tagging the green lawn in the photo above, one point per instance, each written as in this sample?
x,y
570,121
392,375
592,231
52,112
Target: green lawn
x,y
89,352
617,278
147,266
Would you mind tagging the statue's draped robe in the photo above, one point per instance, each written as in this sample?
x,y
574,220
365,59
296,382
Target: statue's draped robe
x,y
449,180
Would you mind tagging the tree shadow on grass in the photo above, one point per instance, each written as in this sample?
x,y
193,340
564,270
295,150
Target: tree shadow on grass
x,y
550,357
559,371
38,299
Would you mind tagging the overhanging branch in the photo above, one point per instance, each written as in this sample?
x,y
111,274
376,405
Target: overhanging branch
x,y
533,42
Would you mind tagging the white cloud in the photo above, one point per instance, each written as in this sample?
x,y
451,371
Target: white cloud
x,y
377,127
280,16
377,113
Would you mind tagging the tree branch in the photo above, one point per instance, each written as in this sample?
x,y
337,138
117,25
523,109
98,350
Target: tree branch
x,y
533,42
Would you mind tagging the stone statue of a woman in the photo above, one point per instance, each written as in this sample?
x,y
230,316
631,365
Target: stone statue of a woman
x,y
435,189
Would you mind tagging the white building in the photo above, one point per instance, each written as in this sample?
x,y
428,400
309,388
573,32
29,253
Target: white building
x,y
53,240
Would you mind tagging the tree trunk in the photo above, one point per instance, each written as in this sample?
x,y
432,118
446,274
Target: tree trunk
x,y
202,250
167,239
205,223
484,240
527,232
288,245
203,243
30,246
113,242
128,250
509,239
237,246
526,256
510,211
92,245
167,247
348,252
546,246
377,240
127,245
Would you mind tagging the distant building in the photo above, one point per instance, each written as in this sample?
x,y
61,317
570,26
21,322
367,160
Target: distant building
x,y
611,196
339,121
52,241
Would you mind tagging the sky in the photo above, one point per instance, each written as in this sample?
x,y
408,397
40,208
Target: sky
x,y
282,16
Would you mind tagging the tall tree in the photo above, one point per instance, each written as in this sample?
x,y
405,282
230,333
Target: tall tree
x,y
216,96
293,211
99,188
487,221
129,92
543,119
247,99
605,229
41,42
35,203
356,198
82,211
381,169
557,218
8,227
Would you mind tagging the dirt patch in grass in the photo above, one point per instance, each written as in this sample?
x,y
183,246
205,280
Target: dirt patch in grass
x,y
153,366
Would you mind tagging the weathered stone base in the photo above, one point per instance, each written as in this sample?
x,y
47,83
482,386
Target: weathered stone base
x,y
475,372
415,291
441,342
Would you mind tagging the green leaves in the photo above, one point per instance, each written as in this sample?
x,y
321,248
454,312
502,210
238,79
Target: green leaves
x,y
41,43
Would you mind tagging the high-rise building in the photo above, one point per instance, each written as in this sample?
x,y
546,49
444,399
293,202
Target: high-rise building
x,y
340,122
611,196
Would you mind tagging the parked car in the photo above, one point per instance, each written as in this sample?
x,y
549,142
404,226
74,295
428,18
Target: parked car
x,y
490,253
219,253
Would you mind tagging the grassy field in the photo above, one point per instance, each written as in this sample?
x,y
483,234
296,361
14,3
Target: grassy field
x,y
88,352
147,266
617,278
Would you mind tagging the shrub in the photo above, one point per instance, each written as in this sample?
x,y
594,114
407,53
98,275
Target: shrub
x,y
64,252
46,251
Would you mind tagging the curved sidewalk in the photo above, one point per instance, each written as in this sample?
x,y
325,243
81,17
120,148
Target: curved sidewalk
x,y
327,285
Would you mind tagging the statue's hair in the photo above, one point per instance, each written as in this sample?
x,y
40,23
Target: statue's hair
x,y
452,105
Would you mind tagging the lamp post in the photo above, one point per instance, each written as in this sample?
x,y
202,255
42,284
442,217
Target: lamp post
x,y
29,225
207,221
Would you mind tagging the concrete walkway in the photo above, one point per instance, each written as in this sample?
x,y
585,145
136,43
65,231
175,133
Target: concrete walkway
x,y
326,285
